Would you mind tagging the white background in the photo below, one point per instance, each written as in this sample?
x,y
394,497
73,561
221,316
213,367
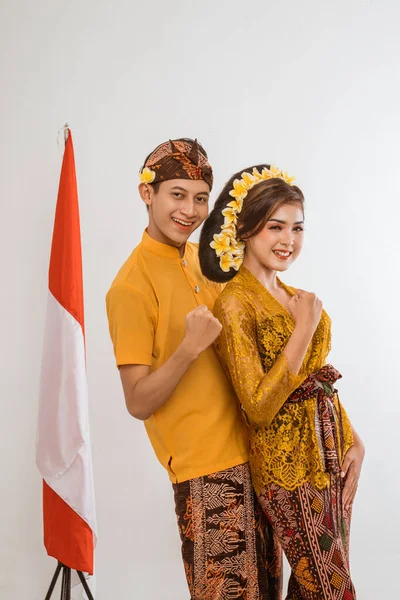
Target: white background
x,y
311,86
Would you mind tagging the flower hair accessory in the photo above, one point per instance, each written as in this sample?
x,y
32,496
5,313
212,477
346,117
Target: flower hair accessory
x,y
226,245
147,175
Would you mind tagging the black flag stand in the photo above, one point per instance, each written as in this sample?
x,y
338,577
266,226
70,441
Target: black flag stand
x,y
66,583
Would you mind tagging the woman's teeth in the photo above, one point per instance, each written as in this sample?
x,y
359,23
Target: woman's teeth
x,y
282,254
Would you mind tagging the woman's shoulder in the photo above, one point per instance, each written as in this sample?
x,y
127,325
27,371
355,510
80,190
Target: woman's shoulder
x,y
235,295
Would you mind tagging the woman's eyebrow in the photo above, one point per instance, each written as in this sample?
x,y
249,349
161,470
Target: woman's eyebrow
x,y
285,222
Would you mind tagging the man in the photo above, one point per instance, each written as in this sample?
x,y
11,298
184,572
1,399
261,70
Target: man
x,y
161,324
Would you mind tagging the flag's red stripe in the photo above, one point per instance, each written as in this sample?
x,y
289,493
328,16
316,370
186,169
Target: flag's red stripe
x,y
67,537
65,270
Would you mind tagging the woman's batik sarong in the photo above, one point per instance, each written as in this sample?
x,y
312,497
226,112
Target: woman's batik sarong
x,y
228,547
316,547
311,524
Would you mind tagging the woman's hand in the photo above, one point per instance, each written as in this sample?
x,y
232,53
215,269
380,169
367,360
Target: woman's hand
x,y
351,469
306,310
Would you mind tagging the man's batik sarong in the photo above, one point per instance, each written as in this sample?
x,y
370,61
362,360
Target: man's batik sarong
x,y
228,547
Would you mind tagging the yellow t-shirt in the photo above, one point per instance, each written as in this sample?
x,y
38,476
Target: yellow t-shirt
x,y
199,430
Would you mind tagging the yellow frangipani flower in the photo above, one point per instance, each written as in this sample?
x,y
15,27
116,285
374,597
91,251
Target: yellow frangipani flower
x,y
266,174
230,215
257,175
229,230
237,248
147,176
226,262
236,262
220,243
247,180
288,178
236,205
275,172
238,190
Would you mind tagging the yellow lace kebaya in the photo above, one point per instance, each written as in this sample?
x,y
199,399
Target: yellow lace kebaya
x,y
284,447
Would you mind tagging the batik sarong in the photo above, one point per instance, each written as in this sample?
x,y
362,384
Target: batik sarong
x,y
311,524
228,547
316,546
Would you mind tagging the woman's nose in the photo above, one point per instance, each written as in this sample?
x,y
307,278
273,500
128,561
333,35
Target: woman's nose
x,y
287,239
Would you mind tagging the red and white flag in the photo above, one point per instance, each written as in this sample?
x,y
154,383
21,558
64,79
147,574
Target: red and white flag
x,y
63,453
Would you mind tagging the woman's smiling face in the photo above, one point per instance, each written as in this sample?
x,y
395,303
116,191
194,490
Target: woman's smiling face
x,y
280,241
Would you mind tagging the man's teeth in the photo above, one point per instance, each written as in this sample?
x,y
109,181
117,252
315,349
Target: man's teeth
x,y
181,222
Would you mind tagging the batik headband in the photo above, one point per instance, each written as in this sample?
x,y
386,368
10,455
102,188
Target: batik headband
x,y
227,247
178,159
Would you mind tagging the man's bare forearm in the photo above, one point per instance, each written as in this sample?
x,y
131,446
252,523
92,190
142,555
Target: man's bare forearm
x,y
152,391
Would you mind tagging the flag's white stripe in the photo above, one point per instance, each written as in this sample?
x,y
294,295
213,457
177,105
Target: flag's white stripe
x,y
63,452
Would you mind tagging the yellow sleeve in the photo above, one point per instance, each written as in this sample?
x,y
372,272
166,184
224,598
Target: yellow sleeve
x,y
260,394
132,324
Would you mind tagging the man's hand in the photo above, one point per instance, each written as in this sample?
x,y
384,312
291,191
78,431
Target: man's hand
x,y
202,329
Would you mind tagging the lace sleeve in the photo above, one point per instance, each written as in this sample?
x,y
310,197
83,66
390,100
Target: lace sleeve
x,y
260,394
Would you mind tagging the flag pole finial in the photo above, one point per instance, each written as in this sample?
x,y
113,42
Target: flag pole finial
x,y
65,130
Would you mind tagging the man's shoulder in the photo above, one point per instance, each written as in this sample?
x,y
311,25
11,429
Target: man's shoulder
x,y
192,251
133,276
194,246
193,254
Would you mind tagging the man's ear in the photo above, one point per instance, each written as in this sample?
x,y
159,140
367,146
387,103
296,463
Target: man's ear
x,y
146,193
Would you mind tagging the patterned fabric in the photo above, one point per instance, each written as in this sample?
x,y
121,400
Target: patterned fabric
x,y
179,159
315,542
284,445
228,548
330,427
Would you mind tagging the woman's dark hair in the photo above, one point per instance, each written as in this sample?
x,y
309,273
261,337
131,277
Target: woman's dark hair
x,y
261,201
156,185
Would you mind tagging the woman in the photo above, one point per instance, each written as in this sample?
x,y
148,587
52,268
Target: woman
x,y
305,456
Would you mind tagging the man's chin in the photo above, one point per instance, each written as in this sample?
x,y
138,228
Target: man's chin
x,y
182,235
178,239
